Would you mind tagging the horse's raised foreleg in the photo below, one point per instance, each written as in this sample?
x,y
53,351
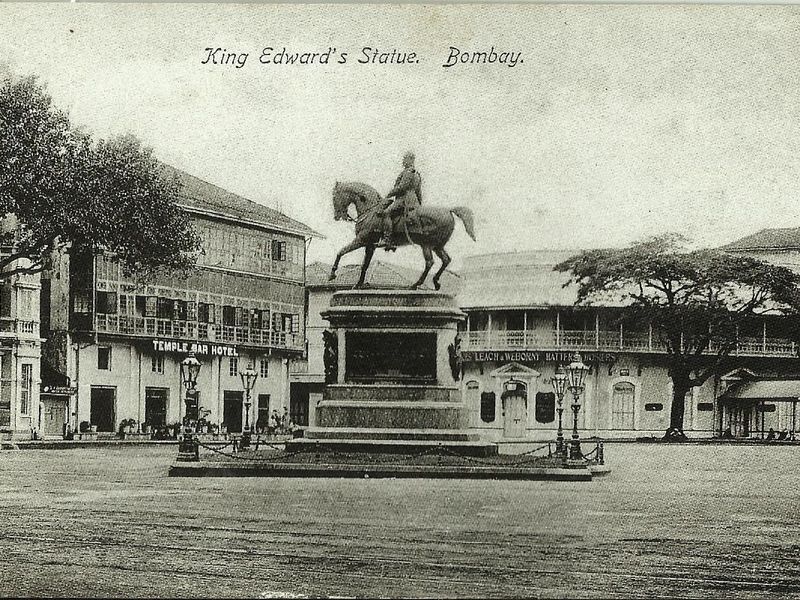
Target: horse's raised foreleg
x,y
369,250
354,245
445,257
426,252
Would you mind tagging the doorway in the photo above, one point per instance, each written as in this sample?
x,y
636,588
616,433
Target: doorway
x,y
515,412
155,406
232,411
54,415
262,421
740,417
298,404
623,405
102,408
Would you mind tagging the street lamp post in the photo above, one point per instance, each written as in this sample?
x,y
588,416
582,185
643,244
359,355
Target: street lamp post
x,y
249,376
559,382
190,369
576,375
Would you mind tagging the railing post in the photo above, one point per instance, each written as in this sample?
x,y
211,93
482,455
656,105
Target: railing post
x,y
524,329
558,329
597,330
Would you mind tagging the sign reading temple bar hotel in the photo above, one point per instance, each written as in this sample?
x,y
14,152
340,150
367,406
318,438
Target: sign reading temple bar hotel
x,y
196,347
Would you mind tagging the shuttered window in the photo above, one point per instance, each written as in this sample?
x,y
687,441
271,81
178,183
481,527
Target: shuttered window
x,y
488,407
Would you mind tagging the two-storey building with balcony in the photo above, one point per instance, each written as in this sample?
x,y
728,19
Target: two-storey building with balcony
x,y
522,323
20,351
765,396
115,343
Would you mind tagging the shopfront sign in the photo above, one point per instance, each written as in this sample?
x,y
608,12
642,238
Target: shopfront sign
x,y
535,356
200,348
60,390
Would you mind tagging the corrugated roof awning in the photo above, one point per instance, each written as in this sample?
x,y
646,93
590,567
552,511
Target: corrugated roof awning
x,y
777,390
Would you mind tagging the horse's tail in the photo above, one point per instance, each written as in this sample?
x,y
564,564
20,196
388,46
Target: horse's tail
x,y
465,214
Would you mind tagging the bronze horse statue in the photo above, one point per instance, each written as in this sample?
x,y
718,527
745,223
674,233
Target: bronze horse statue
x,y
431,230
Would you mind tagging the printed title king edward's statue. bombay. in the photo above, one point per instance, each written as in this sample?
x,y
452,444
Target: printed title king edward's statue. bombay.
x,y
400,219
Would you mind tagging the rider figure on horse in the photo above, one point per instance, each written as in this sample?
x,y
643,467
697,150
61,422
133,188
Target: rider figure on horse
x,y
407,194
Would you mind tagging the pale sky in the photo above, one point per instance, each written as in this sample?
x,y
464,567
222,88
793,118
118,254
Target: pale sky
x,y
622,121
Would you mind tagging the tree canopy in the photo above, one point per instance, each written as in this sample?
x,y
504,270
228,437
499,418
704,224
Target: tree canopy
x,y
694,299
60,188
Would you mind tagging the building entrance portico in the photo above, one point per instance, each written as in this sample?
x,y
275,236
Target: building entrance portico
x,y
514,407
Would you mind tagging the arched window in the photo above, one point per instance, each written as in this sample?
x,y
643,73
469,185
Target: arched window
x,y
622,405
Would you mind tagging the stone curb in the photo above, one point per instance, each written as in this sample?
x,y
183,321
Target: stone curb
x,y
377,471
67,444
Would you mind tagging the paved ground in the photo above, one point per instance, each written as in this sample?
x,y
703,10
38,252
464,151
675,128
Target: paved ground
x,y
690,521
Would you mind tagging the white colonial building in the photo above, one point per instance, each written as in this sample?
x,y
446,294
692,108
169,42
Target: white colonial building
x,y
522,323
20,351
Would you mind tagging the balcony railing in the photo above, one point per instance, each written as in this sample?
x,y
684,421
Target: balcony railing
x,y
191,330
608,341
16,327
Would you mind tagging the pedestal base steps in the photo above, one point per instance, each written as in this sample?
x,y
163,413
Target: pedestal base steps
x,y
396,390
391,418
388,442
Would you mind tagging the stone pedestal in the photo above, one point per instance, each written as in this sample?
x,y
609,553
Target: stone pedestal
x,y
392,384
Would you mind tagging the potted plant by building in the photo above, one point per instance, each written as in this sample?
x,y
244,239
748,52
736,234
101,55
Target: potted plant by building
x,y
87,431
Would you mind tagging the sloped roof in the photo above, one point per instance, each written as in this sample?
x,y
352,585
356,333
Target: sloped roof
x,y
380,275
207,197
777,389
518,280
768,239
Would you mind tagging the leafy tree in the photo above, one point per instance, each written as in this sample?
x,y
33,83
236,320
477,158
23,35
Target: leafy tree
x,y
59,188
695,301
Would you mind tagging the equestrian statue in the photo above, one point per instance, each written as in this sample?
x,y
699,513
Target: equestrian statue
x,y
400,219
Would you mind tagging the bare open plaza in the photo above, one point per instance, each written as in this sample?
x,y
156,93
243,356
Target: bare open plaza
x,y
708,521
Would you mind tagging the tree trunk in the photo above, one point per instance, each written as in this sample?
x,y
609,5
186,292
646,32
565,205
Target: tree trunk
x,y
680,387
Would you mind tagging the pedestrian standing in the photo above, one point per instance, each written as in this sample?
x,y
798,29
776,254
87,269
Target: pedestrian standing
x,y
285,420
